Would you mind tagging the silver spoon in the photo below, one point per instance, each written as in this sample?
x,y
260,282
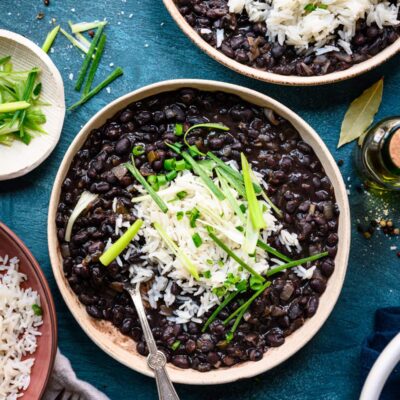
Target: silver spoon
x,y
156,359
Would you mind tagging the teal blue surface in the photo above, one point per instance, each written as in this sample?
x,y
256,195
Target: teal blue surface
x,y
143,39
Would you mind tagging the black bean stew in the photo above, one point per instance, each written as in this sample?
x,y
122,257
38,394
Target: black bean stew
x,y
246,42
298,185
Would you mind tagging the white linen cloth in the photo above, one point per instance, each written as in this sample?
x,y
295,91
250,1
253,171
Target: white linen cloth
x,y
64,384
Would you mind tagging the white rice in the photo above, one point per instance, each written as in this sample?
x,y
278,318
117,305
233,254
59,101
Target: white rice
x,y
288,21
18,330
208,258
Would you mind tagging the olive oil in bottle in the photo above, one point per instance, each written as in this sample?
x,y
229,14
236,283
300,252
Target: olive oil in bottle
x,y
378,158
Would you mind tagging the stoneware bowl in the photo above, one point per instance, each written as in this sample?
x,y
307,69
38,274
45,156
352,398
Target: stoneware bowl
x,y
47,343
292,80
19,159
123,348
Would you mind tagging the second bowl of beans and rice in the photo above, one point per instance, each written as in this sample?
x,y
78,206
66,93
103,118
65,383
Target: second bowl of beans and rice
x,y
300,178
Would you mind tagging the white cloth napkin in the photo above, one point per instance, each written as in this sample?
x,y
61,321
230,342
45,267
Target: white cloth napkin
x,y
64,385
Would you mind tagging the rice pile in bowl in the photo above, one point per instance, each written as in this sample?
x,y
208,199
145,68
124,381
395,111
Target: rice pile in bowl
x,y
20,320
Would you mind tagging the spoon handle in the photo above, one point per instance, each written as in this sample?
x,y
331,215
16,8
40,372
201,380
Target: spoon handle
x,y
156,359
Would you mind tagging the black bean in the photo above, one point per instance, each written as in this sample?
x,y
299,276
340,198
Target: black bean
x,y
181,361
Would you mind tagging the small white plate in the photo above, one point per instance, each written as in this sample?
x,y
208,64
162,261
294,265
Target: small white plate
x,y
19,159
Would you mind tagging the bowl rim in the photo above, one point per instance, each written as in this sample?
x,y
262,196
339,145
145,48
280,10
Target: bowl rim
x,y
287,80
98,330
35,268
59,87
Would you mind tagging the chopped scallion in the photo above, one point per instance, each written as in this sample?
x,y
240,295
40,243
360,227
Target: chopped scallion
x,y
194,215
50,39
171,175
121,244
180,165
136,173
178,129
179,215
169,164
255,212
86,26
228,251
181,195
184,259
75,42
161,180
83,202
175,345
197,240
138,150
14,106
37,310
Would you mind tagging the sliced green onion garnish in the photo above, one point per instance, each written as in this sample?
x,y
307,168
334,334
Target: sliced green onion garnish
x,y
235,257
171,175
273,251
206,179
181,195
161,180
194,215
121,244
50,39
95,64
175,345
180,165
169,164
138,150
136,173
114,75
184,259
197,240
296,263
179,215
83,202
152,179
86,26
178,129
75,42
37,310
255,212
214,315
88,58
14,106
248,302
80,37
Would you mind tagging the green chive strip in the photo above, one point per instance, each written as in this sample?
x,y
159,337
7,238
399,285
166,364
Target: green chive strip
x,y
13,106
235,257
274,252
255,212
183,258
75,42
121,244
248,302
95,64
214,315
296,263
88,58
86,26
79,36
50,39
114,75
203,175
136,173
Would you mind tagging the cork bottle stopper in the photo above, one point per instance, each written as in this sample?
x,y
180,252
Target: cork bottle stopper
x,y
394,148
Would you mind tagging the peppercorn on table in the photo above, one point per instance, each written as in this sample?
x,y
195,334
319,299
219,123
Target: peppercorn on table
x,y
146,43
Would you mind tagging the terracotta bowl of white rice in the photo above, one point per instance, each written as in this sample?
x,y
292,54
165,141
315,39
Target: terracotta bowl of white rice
x,y
292,42
122,347
28,325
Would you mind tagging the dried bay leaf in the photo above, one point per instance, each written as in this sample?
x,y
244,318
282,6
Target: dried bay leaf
x,y
361,113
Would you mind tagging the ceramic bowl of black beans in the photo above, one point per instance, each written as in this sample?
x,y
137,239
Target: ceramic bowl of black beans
x,y
238,37
301,178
